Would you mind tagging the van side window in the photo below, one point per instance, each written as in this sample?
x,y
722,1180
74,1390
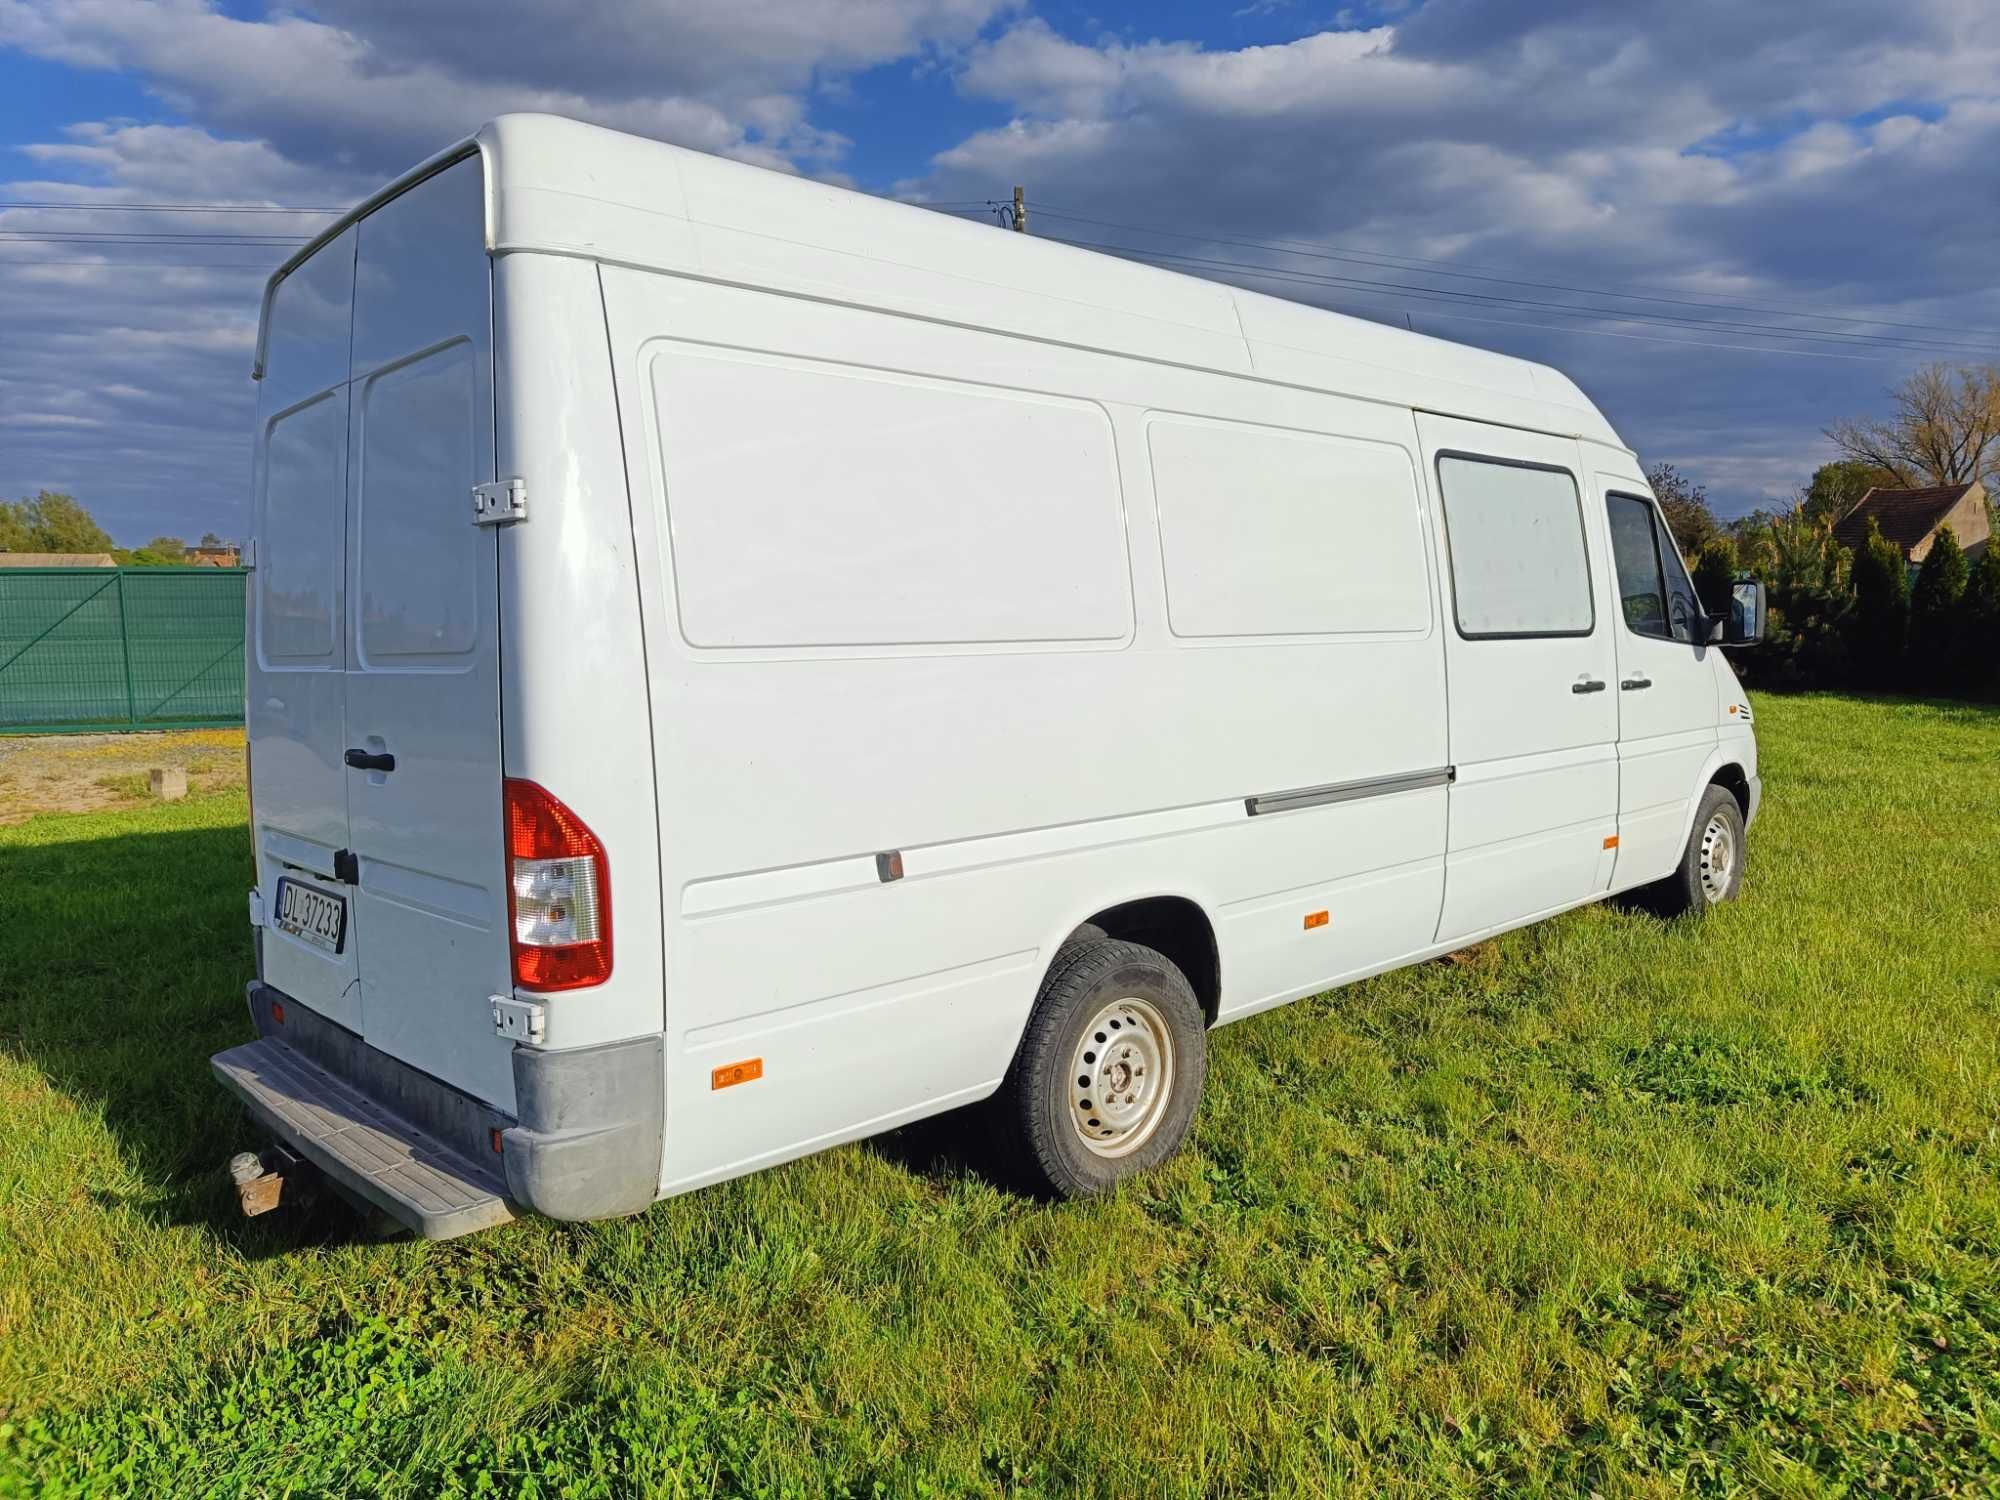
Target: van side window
x,y
1515,536
1653,587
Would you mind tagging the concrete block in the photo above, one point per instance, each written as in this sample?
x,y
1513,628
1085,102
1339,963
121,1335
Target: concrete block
x,y
169,783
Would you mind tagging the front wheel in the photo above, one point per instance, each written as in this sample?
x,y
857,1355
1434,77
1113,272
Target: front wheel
x,y
1109,1072
1711,867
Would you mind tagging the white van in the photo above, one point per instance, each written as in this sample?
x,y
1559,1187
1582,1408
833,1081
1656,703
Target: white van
x,y
737,665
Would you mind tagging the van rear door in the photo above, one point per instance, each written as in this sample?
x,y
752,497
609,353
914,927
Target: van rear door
x,y
423,671
296,682
374,689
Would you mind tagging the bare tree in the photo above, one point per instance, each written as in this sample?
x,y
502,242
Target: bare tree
x,y
1944,428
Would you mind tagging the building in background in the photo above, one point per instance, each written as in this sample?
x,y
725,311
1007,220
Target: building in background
x,y
213,555
1912,519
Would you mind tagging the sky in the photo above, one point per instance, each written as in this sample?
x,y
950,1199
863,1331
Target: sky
x,y
1732,224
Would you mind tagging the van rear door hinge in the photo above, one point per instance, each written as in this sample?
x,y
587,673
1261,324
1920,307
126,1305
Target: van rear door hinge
x,y
520,1020
499,501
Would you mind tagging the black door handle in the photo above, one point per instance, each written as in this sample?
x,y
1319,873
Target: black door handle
x,y
1633,684
1587,685
363,760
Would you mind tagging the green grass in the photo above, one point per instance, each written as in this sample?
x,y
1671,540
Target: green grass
x,y
1615,1205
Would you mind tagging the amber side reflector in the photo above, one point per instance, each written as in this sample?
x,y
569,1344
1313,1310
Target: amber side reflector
x,y
1732,708
277,1013
495,1133
736,1072
1315,919
1612,842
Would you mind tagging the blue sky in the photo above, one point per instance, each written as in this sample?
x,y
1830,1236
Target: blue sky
x,y
1732,224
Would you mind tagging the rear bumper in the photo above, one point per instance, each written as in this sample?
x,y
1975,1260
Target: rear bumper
x,y
586,1144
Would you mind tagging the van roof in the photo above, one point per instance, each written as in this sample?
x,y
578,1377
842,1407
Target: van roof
x,y
559,186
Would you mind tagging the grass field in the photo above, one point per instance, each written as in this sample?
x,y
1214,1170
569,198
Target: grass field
x,y
1608,1205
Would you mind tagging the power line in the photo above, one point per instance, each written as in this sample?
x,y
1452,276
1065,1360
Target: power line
x,y
1485,299
268,242
1258,274
1392,261
262,268
165,208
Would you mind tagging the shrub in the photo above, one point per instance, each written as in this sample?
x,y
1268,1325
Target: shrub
x,y
1979,625
1881,610
1936,658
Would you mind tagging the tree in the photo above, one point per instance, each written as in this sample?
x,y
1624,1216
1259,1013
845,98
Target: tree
x,y
1944,428
51,522
1881,609
14,526
1807,634
210,539
1715,576
1838,486
166,546
1685,505
1979,623
1934,616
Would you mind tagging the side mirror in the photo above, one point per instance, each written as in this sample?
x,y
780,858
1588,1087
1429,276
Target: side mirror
x,y
1745,625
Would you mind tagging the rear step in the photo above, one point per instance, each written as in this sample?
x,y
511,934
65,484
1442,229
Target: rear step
x,y
378,1156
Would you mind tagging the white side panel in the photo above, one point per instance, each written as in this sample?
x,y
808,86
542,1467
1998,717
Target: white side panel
x,y
1026,784
573,648
1270,532
815,504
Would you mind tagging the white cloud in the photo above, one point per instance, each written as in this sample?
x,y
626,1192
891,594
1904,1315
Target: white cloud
x,y
1802,153
1564,144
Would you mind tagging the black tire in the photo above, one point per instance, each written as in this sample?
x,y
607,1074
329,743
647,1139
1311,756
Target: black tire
x,y
1697,885
1157,1021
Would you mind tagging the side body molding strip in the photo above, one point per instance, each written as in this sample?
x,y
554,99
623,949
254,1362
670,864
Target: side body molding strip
x,y
1348,791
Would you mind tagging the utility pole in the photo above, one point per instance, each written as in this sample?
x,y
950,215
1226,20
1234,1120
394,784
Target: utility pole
x,y
1020,209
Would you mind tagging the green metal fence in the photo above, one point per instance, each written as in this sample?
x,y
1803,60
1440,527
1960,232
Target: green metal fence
x,y
95,649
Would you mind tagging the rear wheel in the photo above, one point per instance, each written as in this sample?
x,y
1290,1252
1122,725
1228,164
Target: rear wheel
x,y
1711,868
1109,1072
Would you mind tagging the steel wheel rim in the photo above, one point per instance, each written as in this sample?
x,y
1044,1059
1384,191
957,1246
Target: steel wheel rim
x,y
1718,858
1121,1076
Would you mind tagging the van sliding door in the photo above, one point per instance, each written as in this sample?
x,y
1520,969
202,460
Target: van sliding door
x,y
1530,677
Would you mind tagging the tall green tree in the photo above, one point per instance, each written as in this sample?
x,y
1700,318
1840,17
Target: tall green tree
x,y
1979,623
1881,610
14,526
1937,658
52,522
1808,637
1838,486
1715,575
1685,505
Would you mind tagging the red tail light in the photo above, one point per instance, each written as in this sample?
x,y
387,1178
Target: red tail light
x,y
558,893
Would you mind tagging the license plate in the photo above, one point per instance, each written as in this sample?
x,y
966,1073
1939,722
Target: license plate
x,y
312,915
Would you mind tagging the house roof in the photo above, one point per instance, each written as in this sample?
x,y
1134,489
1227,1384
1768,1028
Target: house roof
x,y
57,560
1905,516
